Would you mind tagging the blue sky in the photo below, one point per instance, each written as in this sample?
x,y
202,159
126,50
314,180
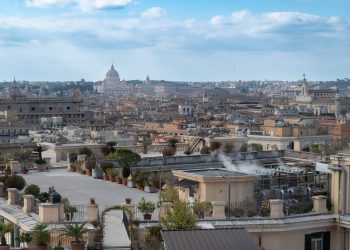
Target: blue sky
x,y
194,40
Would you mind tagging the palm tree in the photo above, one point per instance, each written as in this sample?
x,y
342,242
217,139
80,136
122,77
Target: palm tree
x,y
4,229
40,149
77,232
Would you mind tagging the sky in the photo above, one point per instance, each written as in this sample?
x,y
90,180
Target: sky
x,y
178,40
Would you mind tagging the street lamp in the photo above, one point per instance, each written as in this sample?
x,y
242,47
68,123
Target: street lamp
x,y
229,195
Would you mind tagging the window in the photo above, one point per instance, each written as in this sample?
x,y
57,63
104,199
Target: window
x,y
68,108
50,108
316,244
317,241
33,108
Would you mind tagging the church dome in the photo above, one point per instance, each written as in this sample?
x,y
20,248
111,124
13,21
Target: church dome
x,y
112,75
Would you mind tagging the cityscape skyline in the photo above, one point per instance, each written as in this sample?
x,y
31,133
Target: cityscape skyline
x,y
57,40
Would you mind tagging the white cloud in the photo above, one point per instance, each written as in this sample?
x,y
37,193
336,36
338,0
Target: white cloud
x,y
154,12
46,3
102,4
85,5
217,20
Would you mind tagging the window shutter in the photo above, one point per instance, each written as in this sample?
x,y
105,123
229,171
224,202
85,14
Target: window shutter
x,y
307,242
326,241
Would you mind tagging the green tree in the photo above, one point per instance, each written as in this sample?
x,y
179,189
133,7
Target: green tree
x,y
40,149
257,147
179,218
126,159
314,148
172,142
85,151
228,148
244,147
215,145
4,229
22,155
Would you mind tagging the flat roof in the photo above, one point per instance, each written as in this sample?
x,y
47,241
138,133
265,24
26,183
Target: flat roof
x,y
208,239
213,172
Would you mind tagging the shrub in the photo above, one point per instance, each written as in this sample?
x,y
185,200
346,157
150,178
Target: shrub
x,y
228,148
126,172
257,147
169,151
85,151
72,157
205,150
41,234
215,145
106,150
146,207
15,181
106,165
172,142
179,218
244,147
43,196
111,172
33,190
170,195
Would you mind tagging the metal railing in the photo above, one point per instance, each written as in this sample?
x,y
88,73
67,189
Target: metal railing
x,y
139,215
77,214
245,208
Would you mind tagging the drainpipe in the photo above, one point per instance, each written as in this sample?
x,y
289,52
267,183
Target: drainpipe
x,y
342,188
343,185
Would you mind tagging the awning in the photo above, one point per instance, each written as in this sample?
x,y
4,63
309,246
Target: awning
x,y
185,183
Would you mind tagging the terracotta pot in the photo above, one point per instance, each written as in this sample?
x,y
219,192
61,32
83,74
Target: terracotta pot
x,y
77,246
127,200
119,180
125,182
147,216
6,247
41,247
138,186
73,168
112,178
145,150
67,217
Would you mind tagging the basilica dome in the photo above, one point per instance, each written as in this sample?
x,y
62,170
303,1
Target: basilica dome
x,y
112,76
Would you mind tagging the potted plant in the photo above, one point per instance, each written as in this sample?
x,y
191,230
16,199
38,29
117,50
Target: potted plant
x,y
24,239
111,173
127,200
24,170
76,231
119,179
68,209
41,236
125,174
90,165
97,173
215,146
40,163
147,208
104,166
200,209
145,145
4,229
136,178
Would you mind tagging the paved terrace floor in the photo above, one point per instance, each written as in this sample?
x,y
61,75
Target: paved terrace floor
x,y
80,188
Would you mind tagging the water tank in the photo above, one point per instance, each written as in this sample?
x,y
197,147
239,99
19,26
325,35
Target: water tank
x,y
55,198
